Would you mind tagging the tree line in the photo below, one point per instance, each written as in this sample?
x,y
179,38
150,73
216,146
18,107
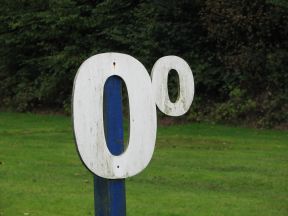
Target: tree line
x,y
237,49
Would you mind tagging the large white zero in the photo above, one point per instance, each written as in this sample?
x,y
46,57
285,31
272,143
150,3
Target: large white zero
x,y
88,115
159,75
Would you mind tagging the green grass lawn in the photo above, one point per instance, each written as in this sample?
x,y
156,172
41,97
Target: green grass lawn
x,y
196,169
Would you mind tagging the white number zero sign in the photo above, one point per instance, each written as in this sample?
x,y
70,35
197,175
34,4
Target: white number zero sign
x,y
143,96
88,115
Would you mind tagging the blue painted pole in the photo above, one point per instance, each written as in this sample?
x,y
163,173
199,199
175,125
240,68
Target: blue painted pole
x,y
109,194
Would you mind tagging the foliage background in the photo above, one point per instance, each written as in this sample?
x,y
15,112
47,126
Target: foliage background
x,y
237,49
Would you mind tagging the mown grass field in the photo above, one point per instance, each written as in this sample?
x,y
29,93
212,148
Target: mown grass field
x,y
197,169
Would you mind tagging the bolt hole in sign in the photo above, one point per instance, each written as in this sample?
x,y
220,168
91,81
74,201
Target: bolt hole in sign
x,y
87,106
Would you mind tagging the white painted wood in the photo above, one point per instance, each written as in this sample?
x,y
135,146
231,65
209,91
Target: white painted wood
x,y
88,115
159,75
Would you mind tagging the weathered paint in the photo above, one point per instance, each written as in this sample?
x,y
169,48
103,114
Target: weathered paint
x,y
109,194
87,108
159,75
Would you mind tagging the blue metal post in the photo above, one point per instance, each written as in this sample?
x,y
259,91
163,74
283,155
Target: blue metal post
x,y
109,195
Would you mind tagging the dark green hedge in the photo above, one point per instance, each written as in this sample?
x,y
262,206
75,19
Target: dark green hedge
x,y
237,49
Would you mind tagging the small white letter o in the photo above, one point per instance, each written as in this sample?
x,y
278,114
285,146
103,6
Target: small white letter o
x,y
159,75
